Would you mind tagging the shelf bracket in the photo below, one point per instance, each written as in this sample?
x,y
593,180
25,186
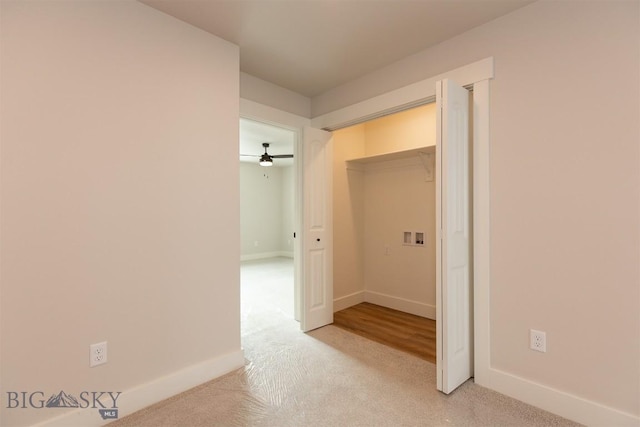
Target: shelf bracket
x,y
428,163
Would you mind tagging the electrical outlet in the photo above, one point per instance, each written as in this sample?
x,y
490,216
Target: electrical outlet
x,y
97,354
538,340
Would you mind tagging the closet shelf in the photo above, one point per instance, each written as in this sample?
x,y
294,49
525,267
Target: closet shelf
x,y
394,155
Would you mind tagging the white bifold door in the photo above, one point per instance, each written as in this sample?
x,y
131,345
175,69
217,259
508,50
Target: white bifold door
x,y
453,264
317,249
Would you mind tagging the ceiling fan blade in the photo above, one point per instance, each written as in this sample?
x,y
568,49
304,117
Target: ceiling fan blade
x,y
249,155
281,156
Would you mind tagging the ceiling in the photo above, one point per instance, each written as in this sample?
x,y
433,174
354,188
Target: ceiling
x,y
311,46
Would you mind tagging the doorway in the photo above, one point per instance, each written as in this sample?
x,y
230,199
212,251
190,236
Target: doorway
x,y
267,224
385,216
383,280
385,212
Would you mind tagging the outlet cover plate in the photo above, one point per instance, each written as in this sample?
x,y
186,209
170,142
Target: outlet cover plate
x,y
538,340
97,354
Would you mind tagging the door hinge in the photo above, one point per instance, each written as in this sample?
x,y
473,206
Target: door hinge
x,y
294,234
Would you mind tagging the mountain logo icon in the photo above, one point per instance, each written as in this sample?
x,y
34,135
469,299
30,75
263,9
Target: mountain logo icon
x,y
62,400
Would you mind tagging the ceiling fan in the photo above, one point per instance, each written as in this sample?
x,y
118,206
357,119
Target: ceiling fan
x,y
266,159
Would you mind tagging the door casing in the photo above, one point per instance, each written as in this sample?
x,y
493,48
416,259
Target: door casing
x,y
474,76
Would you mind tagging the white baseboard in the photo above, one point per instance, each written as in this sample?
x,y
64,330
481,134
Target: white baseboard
x,y
401,304
265,255
348,301
558,402
144,395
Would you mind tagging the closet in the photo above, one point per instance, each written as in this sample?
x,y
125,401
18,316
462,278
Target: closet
x,y
384,213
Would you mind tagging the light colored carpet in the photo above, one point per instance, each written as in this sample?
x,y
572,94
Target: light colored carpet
x,y
328,377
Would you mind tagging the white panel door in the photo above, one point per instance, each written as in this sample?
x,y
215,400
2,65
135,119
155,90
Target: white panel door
x,y
453,281
317,239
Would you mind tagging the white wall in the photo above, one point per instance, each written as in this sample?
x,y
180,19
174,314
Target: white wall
x,y
406,130
266,211
565,189
266,93
348,223
396,199
120,216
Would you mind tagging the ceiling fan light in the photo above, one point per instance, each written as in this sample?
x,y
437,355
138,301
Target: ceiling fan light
x,y
266,160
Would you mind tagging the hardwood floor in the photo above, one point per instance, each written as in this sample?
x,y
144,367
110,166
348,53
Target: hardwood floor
x,y
403,331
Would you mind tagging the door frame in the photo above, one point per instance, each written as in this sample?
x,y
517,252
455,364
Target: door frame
x,y
474,76
264,114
